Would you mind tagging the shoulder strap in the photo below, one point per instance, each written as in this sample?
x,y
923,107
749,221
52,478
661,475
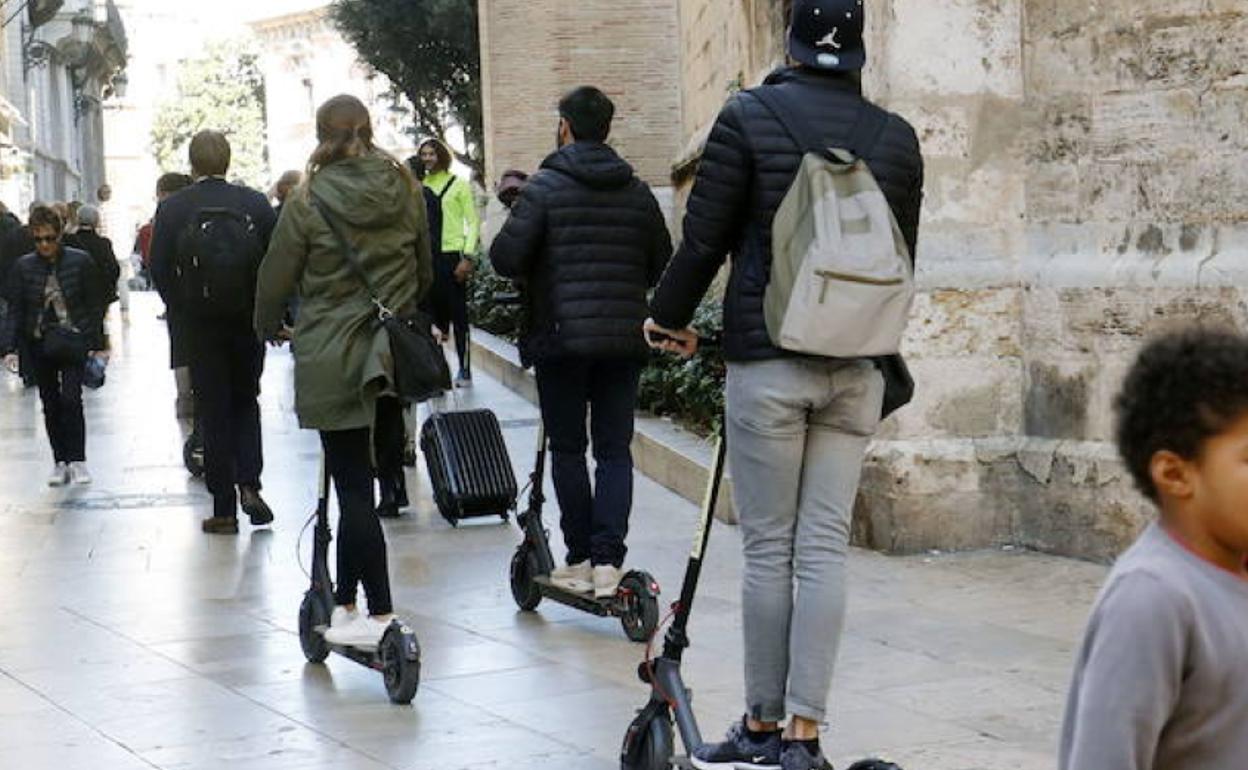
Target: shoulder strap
x,y
348,252
446,189
862,139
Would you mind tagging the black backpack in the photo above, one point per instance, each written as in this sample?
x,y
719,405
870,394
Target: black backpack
x,y
219,254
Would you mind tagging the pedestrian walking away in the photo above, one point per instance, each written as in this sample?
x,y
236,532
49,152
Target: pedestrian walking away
x,y
55,308
108,270
797,423
1158,680
344,372
453,247
207,243
585,240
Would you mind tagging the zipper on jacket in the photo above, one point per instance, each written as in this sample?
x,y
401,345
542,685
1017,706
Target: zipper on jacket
x,y
831,275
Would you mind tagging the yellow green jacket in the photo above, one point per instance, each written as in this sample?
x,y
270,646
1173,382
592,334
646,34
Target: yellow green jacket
x,y
461,227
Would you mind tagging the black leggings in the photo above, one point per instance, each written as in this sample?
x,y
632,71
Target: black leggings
x,y
361,541
448,304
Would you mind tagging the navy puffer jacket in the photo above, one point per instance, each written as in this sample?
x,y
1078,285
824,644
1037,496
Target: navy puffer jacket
x,y
587,240
80,285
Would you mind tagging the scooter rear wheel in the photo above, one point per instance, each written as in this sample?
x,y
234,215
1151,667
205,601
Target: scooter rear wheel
x,y
524,568
313,613
657,746
193,456
400,662
640,612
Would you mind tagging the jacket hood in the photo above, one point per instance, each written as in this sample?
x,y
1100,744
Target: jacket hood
x,y
594,165
368,192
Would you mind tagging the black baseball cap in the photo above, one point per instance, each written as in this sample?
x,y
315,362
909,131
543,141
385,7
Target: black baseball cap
x,y
827,34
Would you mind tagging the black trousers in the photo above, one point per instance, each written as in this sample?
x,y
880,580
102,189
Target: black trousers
x,y
361,540
448,304
594,518
60,390
226,364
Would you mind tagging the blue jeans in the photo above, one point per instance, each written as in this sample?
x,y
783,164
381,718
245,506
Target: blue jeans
x,y
594,521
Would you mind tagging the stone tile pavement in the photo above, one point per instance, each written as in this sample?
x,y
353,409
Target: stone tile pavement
x,y
135,642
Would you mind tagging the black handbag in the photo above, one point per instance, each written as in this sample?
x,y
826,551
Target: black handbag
x,y
64,345
420,368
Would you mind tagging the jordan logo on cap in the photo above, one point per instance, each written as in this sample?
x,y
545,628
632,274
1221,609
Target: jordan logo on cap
x,y
829,40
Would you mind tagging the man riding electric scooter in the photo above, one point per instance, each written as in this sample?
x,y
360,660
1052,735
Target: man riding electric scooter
x,y
587,240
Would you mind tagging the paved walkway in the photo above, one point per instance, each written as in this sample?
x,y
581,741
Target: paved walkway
x,y
133,641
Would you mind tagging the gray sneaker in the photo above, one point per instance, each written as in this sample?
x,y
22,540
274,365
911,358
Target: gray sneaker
x,y
795,756
738,752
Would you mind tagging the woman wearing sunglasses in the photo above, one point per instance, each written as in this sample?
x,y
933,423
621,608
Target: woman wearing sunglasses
x,y
56,307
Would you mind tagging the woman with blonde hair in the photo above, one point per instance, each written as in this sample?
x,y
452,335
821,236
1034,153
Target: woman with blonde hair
x,y
344,375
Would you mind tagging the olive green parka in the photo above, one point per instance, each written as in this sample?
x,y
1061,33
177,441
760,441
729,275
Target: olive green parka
x,y
342,354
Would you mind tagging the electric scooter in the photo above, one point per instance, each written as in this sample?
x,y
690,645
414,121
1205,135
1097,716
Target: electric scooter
x,y
649,743
397,656
636,601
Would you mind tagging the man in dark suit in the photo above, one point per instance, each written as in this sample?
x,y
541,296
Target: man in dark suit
x,y
226,359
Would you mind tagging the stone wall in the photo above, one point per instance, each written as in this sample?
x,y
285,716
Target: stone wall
x,y
534,51
1086,188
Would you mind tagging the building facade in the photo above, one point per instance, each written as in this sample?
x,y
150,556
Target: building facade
x,y
63,61
628,48
306,61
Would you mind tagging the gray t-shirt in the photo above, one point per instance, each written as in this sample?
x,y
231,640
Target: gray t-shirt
x,y
1162,680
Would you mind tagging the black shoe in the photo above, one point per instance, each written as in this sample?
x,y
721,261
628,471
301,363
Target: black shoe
x,y
393,497
255,507
739,752
795,755
874,764
219,525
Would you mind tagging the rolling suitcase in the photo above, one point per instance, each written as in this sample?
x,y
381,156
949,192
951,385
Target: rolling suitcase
x,y
468,465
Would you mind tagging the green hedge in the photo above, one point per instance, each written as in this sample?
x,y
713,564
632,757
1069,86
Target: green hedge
x,y
690,392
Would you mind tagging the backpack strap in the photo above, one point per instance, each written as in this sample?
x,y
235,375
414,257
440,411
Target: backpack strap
x,y
446,189
862,139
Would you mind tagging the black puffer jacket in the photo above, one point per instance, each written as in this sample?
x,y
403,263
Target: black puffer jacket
x,y
80,284
586,240
748,165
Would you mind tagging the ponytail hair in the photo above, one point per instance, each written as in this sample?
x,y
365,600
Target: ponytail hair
x,y
344,129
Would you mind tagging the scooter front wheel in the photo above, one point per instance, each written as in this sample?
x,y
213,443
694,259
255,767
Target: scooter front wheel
x,y
400,663
524,568
657,746
639,611
313,614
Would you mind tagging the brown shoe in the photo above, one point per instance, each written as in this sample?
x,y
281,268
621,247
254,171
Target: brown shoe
x,y
219,525
255,507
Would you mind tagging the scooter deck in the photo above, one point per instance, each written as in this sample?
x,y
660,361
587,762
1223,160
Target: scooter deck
x,y
603,608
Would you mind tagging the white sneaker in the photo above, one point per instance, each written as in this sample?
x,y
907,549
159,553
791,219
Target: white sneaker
x,y
60,475
342,616
78,473
606,580
363,632
577,577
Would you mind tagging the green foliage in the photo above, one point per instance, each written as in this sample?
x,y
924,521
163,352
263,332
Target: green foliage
x,y
431,52
486,313
690,392
222,90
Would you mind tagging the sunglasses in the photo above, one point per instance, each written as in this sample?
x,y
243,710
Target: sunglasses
x,y
47,239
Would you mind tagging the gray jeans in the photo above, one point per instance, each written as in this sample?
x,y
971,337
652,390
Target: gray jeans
x,y
797,433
